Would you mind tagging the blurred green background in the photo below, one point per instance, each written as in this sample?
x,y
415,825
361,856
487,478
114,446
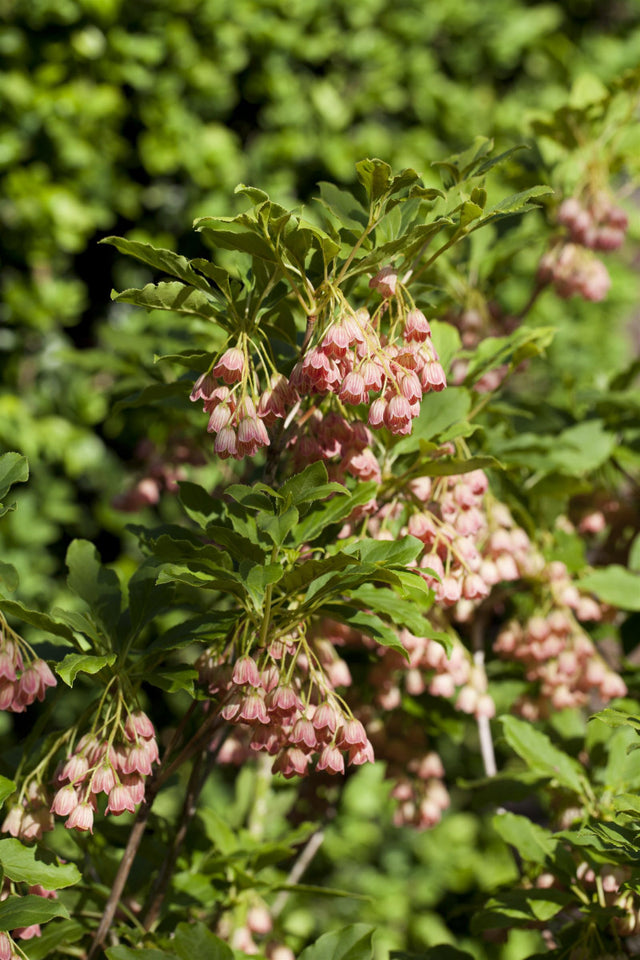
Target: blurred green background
x,y
133,118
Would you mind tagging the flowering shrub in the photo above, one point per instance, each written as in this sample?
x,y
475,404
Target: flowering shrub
x,y
383,561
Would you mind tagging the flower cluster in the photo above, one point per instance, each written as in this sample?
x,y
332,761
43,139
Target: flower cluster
x,y
471,545
239,411
331,437
598,224
30,818
570,265
573,270
609,885
24,677
416,770
292,714
561,659
348,356
470,541
161,470
389,372
116,767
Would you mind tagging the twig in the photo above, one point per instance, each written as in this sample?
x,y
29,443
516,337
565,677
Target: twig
x,y
190,806
484,727
157,894
307,854
124,869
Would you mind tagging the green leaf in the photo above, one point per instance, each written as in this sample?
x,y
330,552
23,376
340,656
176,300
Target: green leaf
x,y
617,718
438,412
165,260
375,177
446,340
95,584
13,469
40,620
530,840
493,352
25,911
79,622
311,484
634,555
349,943
9,576
461,165
442,951
147,598
139,953
335,510
193,941
520,908
517,203
7,787
170,295
279,527
256,578
54,934
303,573
199,505
470,212
627,803
75,663
180,678
229,286
344,207
368,623
401,612
231,233
541,756
387,552
152,394
615,585
20,865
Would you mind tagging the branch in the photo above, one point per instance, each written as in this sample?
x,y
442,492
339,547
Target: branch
x,y
309,851
484,727
157,893
194,789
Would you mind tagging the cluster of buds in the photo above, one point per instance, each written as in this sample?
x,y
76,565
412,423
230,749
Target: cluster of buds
x,y
348,356
598,224
415,769
422,800
239,412
30,818
116,767
333,438
570,265
390,372
573,270
24,677
470,541
8,949
161,470
430,669
559,656
276,715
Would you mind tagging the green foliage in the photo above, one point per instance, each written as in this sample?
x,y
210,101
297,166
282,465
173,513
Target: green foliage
x,y
478,120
